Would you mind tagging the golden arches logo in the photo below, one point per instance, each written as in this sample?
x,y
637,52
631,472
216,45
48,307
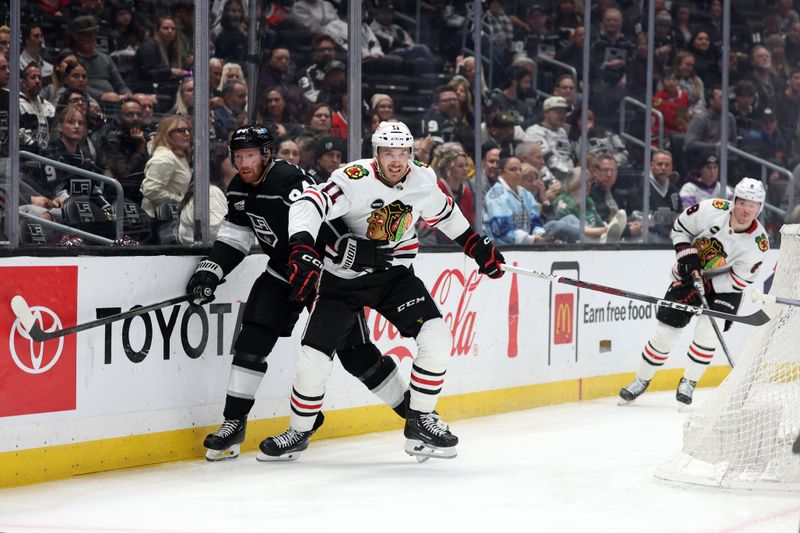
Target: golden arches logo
x,y
563,331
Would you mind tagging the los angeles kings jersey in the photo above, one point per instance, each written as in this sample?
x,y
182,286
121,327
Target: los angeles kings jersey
x,y
732,258
370,209
262,212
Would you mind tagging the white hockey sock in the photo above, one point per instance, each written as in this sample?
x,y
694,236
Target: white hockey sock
x,y
311,373
427,374
656,350
701,350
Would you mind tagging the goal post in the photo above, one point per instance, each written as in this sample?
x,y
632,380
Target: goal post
x,y
742,436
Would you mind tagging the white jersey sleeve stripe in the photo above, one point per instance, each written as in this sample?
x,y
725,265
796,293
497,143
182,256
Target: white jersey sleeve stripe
x,y
238,237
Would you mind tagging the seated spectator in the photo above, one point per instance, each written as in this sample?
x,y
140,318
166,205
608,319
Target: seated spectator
x,y
370,45
768,85
466,69
75,77
682,24
148,103
50,92
673,102
792,44
276,111
703,133
230,72
444,122
328,154
511,99
611,53
288,151
323,51
572,54
787,110
702,184
318,121
35,113
604,176
313,15
463,92
568,209
231,42
565,88
393,38
531,153
767,142
490,163
33,47
184,99
665,202
512,215
601,141
500,131
705,55
126,32
664,38
232,113
279,72
777,47
220,174
105,82
535,34
122,149
382,107
551,136
339,116
566,16
636,74
453,172
335,83
215,67
159,62
690,82
745,107
167,174
501,34
566,229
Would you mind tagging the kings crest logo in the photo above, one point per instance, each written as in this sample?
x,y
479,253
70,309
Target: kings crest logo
x,y
390,222
239,206
355,172
762,242
721,204
263,231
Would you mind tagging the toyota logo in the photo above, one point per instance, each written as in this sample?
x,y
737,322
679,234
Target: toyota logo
x,y
37,361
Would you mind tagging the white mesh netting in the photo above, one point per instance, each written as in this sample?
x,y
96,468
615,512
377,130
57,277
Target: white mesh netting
x,y
742,437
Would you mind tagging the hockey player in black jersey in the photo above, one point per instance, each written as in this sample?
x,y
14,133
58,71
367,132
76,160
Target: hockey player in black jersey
x,y
259,197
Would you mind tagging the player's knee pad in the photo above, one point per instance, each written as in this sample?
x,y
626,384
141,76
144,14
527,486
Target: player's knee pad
x,y
434,343
311,371
704,334
255,340
664,337
363,360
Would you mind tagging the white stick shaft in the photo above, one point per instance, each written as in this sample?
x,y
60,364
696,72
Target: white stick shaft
x,y
757,295
23,312
527,272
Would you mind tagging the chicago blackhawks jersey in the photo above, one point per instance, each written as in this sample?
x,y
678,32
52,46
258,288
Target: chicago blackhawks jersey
x,y
731,259
370,209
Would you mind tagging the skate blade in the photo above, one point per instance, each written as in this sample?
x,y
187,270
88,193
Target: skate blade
x,y
623,402
261,457
422,452
213,456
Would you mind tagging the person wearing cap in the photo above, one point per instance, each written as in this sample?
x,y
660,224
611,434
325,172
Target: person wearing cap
x,y
703,183
335,82
537,33
323,51
328,153
767,142
382,106
552,137
393,38
664,38
501,131
105,81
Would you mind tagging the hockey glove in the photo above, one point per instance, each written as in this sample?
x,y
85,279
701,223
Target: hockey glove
x,y
360,254
688,263
304,268
489,260
204,281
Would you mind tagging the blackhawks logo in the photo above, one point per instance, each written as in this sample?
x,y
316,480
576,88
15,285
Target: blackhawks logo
x,y
762,242
711,252
355,172
721,204
390,222
420,163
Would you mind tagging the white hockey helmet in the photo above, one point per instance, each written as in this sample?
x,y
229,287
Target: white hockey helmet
x,y
750,189
392,135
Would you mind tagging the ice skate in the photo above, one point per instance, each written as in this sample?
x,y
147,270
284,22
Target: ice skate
x,y
633,391
427,436
224,442
288,445
685,391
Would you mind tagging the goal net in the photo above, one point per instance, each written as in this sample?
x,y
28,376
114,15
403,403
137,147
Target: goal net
x,y
742,437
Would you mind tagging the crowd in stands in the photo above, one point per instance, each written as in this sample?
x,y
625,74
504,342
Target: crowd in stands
x,y
108,86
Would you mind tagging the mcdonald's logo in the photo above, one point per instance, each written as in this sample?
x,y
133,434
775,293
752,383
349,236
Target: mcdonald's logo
x,y
563,307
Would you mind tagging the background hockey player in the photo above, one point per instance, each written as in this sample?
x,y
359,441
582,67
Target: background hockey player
x,y
259,197
722,241
379,198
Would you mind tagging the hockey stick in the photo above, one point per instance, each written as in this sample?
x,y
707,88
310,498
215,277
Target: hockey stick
x,y
759,296
756,319
33,327
701,291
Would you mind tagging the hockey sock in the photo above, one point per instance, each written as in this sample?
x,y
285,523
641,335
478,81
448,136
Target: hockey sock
x,y
311,372
656,350
247,371
378,373
427,374
701,350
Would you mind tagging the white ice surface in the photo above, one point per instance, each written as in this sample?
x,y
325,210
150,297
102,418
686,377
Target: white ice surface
x,y
584,467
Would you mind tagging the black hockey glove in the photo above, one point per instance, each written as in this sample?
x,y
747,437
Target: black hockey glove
x,y
360,254
304,268
204,281
688,263
489,260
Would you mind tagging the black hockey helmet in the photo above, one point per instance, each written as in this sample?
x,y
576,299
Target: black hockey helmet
x,y
251,137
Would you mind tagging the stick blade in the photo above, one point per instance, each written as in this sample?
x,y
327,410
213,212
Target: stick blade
x,y
758,318
23,312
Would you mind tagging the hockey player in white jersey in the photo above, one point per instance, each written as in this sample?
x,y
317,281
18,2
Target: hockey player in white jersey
x,y
378,199
724,242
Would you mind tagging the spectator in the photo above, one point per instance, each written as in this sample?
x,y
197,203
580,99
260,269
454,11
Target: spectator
x,y
604,177
551,136
787,109
327,158
323,51
702,184
313,15
183,11
466,68
511,99
50,92
512,215
35,113
768,85
215,67
393,38
122,149
158,62
453,173
703,133
275,111
690,82
423,147
568,210
230,72
500,130
231,42
462,89
745,109
681,15
5,41
289,151
167,174
565,88
279,73
611,54
665,202
126,32
777,48
673,103
370,45
664,38
705,56
536,33
33,42
184,100
566,17
572,53
220,174
75,77
767,142
382,106
318,121
444,122
148,103
500,34
792,44
335,83
601,141
232,114
636,75
490,161
105,82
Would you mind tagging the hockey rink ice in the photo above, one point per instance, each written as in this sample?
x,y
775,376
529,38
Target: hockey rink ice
x,y
571,467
